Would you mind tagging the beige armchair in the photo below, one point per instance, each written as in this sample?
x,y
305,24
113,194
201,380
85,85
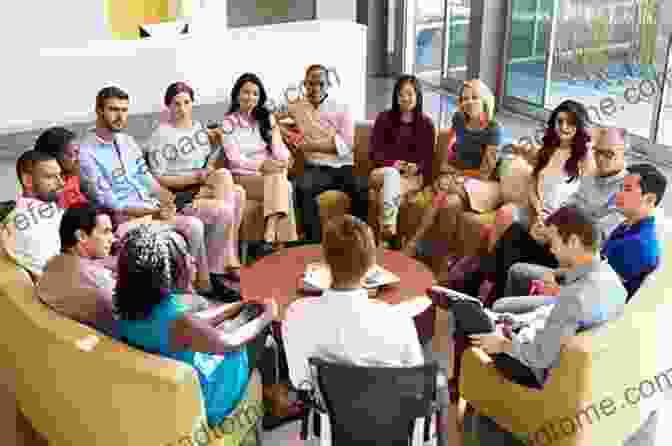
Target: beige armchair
x,y
75,386
333,202
608,380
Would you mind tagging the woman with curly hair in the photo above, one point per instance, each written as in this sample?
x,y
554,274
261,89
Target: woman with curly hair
x,y
467,180
563,158
154,265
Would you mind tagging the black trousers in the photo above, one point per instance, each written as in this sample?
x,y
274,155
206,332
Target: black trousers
x,y
318,179
471,319
516,245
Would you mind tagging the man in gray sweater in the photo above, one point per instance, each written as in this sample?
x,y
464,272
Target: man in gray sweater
x,y
590,294
595,196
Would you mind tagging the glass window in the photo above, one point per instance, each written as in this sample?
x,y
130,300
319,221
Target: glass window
x,y
607,55
611,55
664,83
429,20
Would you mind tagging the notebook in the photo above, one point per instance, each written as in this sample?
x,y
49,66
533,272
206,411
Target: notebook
x,y
317,277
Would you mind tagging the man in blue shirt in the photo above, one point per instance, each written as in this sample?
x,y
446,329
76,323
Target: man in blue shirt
x,y
115,177
633,249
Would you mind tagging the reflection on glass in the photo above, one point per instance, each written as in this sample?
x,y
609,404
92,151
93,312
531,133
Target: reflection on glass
x,y
429,38
530,33
429,19
391,27
459,13
607,56
664,82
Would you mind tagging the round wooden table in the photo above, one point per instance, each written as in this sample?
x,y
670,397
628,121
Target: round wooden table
x,y
278,276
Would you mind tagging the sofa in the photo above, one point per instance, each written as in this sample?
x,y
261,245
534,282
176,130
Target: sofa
x,y
626,360
75,386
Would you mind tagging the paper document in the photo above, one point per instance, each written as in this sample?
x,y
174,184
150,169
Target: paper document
x,y
413,307
317,276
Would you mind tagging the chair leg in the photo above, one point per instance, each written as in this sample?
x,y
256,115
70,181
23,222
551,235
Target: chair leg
x,y
325,430
418,432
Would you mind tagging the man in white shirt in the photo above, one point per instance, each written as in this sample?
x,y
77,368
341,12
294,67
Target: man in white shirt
x,y
33,224
327,145
344,324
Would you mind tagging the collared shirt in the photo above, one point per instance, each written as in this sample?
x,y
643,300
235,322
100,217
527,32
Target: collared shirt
x,y
116,172
348,326
244,147
36,225
338,117
79,288
592,294
633,251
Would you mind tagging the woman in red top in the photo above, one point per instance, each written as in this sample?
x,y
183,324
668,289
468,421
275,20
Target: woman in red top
x,y
402,150
59,142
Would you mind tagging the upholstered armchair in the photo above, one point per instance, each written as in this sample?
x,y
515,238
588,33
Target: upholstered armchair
x,y
73,385
607,383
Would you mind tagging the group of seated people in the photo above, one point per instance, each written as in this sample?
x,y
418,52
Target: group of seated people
x,y
151,232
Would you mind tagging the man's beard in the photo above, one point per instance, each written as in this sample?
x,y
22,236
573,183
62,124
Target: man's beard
x,y
112,128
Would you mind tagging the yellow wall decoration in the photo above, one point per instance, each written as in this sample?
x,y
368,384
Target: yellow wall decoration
x,y
124,16
272,8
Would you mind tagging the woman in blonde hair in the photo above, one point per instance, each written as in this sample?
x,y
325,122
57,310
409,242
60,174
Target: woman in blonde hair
x,y
467,180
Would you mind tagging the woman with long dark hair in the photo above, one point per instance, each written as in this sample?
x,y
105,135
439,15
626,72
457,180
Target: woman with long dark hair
x,y
258,158
563,158
402,148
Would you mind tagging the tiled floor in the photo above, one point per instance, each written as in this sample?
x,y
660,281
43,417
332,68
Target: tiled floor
x,y
379,92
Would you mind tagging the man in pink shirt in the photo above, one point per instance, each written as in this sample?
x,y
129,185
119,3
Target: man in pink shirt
x,y
328,150
76,283
79,283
